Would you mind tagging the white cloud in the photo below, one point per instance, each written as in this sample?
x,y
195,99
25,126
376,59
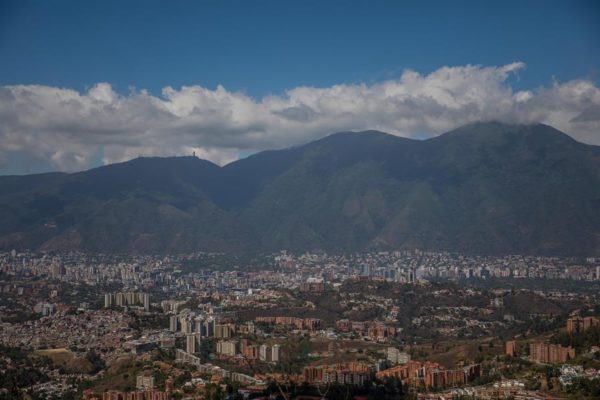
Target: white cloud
x,y
69,129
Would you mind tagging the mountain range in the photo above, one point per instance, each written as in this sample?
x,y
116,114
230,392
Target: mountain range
x,y
485,188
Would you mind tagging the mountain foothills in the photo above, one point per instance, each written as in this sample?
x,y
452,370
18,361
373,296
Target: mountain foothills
x,y
483,188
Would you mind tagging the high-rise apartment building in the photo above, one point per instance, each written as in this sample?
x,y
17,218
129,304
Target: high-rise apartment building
x,y
511,348
191,342
396,356
579,324
173,323
275,353
550,353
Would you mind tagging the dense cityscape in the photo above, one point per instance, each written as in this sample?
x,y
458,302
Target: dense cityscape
x,y
300,200
409,324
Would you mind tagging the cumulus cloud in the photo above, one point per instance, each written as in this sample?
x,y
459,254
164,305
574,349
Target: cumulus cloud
x,y
70,129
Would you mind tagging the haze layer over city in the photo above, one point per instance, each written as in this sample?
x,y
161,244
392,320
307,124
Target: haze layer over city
x,y
299,200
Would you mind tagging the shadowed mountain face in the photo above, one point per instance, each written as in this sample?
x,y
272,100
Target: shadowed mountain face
x,y
484,188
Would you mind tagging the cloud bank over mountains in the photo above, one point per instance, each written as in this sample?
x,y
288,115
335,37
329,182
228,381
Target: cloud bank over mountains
x,y
72,130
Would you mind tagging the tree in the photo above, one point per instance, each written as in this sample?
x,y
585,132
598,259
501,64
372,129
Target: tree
x,y
98,363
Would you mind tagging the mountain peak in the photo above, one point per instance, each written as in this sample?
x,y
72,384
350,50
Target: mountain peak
x,y
481,133
357,133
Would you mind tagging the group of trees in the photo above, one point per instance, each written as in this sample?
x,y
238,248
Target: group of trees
x,y
581,387
580,341
21,372
97,363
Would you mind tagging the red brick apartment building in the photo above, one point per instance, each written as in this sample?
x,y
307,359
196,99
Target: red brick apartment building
x,y
550,353
432,374
578,324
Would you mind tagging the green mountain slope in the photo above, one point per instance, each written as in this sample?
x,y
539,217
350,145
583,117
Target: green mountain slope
x,y
483,188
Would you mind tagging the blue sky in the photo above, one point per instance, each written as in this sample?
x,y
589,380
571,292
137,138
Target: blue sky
x,y
264,48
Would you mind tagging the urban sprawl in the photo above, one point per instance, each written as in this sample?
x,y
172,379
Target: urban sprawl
x,y
409,324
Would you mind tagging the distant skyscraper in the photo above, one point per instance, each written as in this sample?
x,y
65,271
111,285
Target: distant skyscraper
x,y
108,300
120,299
366,270
186,324
56,271
511,348
190,343
227,347
198,322
275,353
209,326
262,352
396,356
146,298
223,331
173,323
